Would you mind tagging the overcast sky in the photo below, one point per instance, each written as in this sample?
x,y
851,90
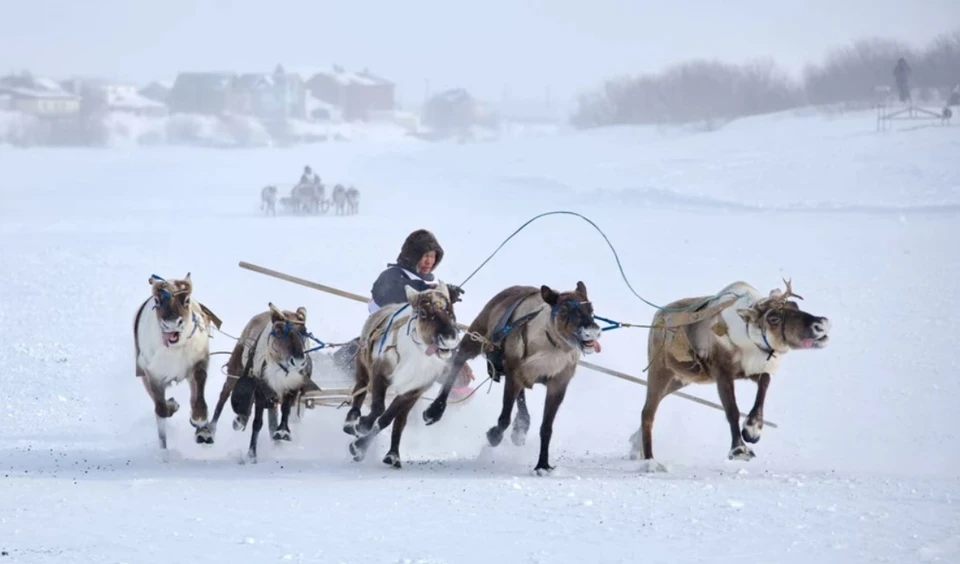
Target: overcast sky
x,y
484,46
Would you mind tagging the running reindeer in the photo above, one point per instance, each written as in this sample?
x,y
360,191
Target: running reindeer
x,y
353,201
173,345
268,200
746,339
268,365
538,336
404,347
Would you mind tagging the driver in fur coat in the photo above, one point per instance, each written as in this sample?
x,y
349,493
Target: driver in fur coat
x,y
419,257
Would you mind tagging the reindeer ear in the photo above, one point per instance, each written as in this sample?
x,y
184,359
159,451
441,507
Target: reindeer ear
x,y
582,289
749,315
275,313
549,295
411,295
302,312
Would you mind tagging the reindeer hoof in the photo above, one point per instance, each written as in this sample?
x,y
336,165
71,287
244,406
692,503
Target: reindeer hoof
x,y
543,470
239,423
494,436
433,413
742,452
172,407
392,459
650,465
518,436
350,428
204,435
281,435
358,450
751,432
252,457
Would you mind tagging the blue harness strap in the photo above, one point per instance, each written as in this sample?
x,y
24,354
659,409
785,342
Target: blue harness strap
x,y
383,338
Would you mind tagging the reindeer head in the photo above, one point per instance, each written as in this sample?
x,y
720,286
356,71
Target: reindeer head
x,y
171,301
782,325
288,333
571,314
435,321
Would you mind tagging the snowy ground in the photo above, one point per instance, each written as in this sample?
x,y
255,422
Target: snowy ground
x,y
863,466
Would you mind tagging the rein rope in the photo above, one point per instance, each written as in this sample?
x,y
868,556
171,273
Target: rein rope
x,y
614,324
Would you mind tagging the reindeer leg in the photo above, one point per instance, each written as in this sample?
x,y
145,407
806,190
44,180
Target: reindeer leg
x,y
379,392
511,389
753,426
522,423
282,433
198,405
272,422
242,400
260,404
358,448
393,455
728,398
467,350
225,392
359,395
556,390
163,408
642,439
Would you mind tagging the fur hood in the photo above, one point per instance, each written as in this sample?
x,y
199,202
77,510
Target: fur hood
x,y
415,246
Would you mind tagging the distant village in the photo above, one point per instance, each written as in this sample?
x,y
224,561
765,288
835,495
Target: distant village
x,y
224,109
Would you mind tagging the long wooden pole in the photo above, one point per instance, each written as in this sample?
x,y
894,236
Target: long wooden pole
x,y
590,365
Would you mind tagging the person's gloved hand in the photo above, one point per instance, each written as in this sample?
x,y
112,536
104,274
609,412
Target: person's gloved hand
x,y
455,292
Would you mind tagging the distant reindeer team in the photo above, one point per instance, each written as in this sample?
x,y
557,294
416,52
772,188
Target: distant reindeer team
x,y
528,335
311,199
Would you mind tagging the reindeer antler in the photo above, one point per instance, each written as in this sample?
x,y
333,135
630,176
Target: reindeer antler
x,y
789,293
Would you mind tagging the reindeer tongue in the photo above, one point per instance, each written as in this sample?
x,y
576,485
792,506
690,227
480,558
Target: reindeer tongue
x,y
170,338
432,350
595,345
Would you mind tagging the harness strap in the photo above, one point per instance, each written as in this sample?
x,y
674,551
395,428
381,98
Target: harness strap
x,y
504,326
386,331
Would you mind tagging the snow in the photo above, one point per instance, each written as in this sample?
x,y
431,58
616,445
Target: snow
x,y
862,468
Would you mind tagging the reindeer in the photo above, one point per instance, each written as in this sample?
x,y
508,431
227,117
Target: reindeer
x,y
268,365
268,200
746,339
539,336
339,198
171,346
353,201
403,347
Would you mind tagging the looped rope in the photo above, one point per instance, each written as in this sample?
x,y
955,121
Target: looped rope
x,y
623,275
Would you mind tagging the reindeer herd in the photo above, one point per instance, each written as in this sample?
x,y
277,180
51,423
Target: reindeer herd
x,y
528,335
311,199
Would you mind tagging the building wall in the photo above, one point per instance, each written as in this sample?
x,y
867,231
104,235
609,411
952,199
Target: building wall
x,y
47,106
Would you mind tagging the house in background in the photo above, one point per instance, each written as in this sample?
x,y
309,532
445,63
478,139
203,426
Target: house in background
x,y
455,110
277,95
42,97
158,91
101,95
207,93
360,95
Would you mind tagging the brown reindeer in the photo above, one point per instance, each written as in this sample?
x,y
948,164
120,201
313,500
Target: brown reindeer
x,y
268,366
540,335
173,345
403,348
744,340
